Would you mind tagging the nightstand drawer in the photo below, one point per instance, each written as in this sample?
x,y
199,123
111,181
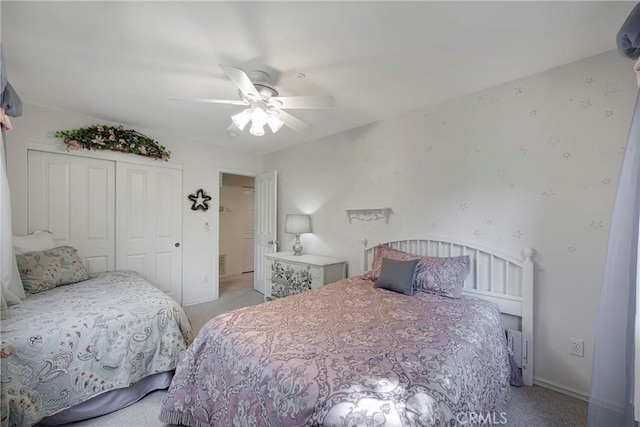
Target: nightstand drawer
x,y
286,274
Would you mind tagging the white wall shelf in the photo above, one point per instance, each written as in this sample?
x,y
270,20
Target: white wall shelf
x,y
369,214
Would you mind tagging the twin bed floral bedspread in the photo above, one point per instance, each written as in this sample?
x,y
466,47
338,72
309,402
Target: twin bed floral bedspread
x,y
342,355
66,345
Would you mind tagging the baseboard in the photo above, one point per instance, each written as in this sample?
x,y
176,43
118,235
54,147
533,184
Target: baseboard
x,y
560,389
199,301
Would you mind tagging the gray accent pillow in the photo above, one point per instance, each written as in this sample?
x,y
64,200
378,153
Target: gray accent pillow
x,y
44,270
397,275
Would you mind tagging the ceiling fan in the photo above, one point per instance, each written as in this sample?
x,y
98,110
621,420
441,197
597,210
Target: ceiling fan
x,y
265,107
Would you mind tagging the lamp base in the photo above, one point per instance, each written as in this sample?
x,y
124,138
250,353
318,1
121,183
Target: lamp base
x,y
297,247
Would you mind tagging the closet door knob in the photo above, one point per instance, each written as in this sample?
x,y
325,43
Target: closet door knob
x,y
177,244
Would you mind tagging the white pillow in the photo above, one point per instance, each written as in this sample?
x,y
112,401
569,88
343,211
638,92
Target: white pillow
x,y
41,240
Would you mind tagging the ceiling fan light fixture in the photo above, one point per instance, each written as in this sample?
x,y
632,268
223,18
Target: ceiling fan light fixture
x,y
257,129
242,118
274,123
266,106
259,116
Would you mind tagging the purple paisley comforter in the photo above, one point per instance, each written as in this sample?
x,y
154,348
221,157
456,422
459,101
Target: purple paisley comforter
x,y
342,355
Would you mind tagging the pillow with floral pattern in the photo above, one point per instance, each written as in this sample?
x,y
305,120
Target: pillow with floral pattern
x,y
442,276
44,270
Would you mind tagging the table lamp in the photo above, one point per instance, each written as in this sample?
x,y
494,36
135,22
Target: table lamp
x,y
297,224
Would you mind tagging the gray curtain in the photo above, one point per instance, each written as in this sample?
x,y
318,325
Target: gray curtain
x,y
9,99
8,293
612,377
612,397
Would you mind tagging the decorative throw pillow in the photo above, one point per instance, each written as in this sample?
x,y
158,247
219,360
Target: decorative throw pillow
x,y
38,241
397,275
443,276
383,251
44,270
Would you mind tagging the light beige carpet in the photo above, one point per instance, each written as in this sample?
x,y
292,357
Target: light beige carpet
x,y
235,292
528,406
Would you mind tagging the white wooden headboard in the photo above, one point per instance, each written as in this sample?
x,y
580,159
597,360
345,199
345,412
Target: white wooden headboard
x,y
496,277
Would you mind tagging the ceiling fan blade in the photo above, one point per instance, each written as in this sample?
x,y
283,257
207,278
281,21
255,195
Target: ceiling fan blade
x,y
210,101
240,79
300,102
293,122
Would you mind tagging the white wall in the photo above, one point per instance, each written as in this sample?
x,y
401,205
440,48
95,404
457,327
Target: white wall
x,y
531,163
201,163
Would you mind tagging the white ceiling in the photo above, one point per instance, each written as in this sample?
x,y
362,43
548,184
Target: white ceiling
x,y
120,61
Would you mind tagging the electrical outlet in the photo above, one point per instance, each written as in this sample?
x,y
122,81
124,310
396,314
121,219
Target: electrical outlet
x,y
576,347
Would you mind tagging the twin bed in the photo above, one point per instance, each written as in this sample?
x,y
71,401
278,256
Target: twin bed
x,y
88,348
348,353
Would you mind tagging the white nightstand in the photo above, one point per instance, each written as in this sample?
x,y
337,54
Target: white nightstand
x,y
288,274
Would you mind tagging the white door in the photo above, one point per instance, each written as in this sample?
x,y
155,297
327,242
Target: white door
x,y
73,197
265,229
149,224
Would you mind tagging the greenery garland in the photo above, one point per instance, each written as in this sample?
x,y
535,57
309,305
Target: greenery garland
x,y
101,137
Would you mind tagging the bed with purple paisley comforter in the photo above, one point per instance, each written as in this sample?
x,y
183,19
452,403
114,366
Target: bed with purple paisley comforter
x,y
342,355
68,345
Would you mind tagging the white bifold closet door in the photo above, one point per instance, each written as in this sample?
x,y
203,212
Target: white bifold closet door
x,y
119,215
73,197
149,224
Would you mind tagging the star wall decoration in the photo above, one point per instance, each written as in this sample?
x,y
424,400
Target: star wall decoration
x,y
200,200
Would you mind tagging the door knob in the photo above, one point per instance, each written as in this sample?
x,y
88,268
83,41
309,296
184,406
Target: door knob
x,y
177,244
272,242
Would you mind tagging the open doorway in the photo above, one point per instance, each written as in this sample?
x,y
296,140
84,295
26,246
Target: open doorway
x,y
236,238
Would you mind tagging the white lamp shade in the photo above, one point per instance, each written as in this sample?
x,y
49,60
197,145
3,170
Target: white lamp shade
x,y
298,224
274,123
259,117
241,119
256,129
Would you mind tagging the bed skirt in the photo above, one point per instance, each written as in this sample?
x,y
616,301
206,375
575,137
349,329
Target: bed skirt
x,y
110,401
